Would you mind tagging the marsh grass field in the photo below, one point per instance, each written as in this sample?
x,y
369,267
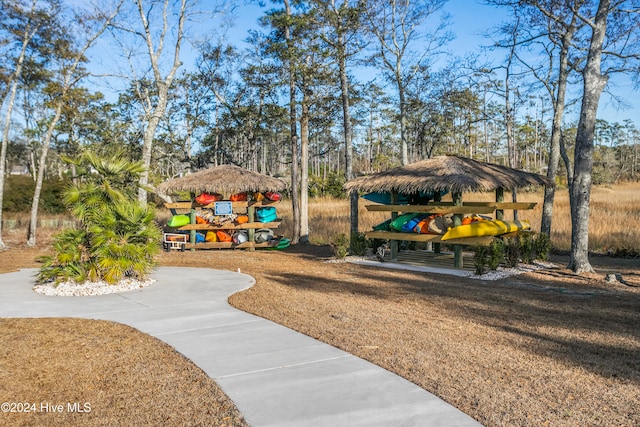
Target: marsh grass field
x,y
614,222
614,226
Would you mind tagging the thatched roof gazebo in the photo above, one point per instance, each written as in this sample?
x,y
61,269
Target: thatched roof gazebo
x,y
450,173
228,179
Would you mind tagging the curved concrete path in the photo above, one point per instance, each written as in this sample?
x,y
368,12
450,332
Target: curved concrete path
x,y
276,376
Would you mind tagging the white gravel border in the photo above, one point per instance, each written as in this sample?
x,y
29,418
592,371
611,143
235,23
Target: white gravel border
x,y
498,274
503,272
73,289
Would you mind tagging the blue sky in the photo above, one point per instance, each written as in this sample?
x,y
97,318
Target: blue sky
x,y
470,19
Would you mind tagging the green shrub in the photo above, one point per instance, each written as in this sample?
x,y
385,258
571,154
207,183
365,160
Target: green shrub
x,y
118,237
542,246
329,186
495,254
359,244
340,246
480,259
18,194
70,261
527,247
512,252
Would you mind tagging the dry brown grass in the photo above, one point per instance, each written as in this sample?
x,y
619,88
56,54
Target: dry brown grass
x,y
546,348
614,223
125,377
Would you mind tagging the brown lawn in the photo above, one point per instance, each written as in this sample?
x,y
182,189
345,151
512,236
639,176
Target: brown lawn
x,y
545,348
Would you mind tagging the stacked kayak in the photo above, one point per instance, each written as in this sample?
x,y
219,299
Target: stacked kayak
x,y
283,243
421,197
485,228
472,226
217,223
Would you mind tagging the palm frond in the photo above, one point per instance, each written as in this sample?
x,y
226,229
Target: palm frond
x,y
119,237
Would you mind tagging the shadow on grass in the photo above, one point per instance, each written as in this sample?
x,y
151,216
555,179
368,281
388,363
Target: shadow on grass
x,y
310,252
607,360
589,327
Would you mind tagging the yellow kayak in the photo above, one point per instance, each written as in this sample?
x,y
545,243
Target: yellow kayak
x,y
485,228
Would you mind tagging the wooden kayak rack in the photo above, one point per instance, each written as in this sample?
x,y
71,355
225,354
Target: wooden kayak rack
x,y
246,207
458,210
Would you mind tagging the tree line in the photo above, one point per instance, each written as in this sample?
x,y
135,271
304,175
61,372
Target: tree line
x,y
319,92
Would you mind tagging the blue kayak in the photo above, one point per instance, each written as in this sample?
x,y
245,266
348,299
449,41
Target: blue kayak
x,y
403,199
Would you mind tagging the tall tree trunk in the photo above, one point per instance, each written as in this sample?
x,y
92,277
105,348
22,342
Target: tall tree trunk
x,y
162,84
304,168
263,160
348,133
189,134
556,129
295,202
508,112
33,222
216,145
510,140
147,145
594,83
5,141
28,35
69,78
508,116
567,162
403,124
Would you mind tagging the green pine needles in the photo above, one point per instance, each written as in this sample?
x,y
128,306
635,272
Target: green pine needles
x,y
118,237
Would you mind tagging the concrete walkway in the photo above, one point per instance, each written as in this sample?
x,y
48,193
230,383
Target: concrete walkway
x,y
276,376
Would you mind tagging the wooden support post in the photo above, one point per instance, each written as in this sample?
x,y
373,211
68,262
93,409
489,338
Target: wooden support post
x,y
251,213
437,197
394,215
499,199
192,220
457,220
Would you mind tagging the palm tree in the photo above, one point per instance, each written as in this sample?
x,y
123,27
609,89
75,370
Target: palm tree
x,y
118,237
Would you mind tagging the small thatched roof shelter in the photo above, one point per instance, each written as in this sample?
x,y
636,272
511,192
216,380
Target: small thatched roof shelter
x,y
227,179
451,173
